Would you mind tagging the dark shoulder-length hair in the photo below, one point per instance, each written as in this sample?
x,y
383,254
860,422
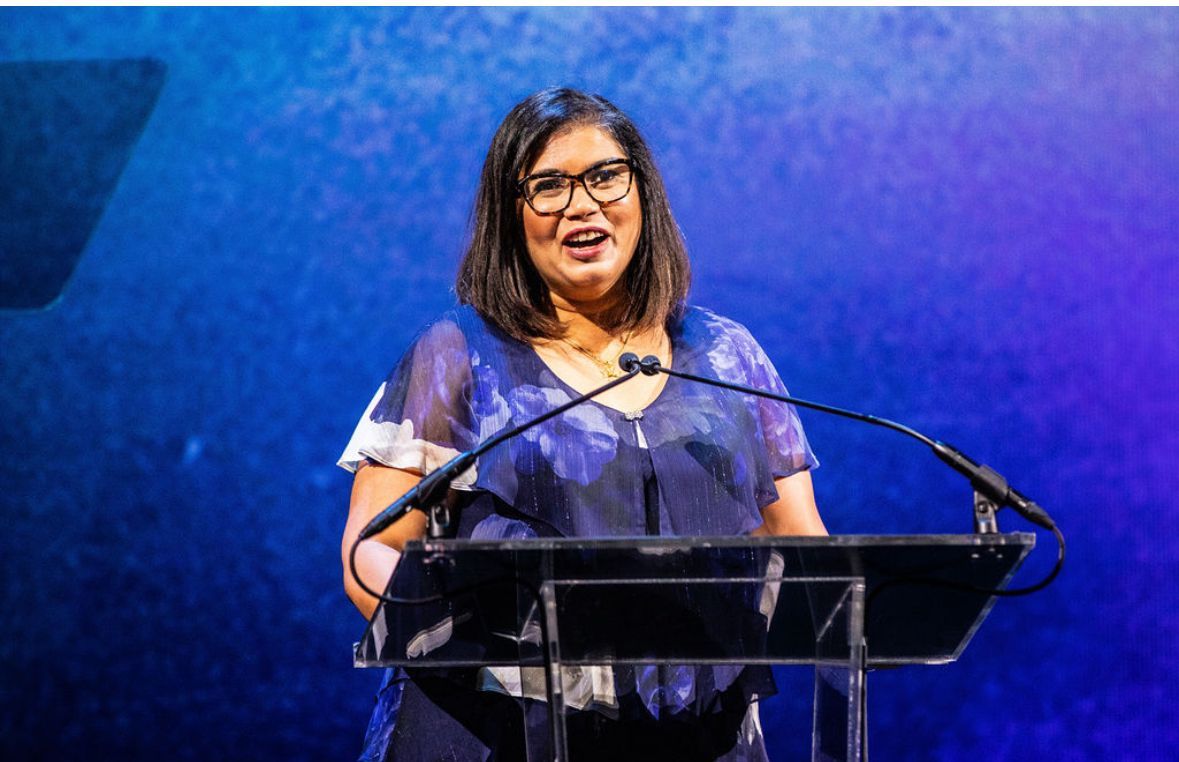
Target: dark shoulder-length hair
x,y
497,276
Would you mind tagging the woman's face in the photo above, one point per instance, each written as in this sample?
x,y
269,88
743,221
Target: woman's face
x,y
582,274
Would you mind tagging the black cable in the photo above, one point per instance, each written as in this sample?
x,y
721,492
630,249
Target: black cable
x,y
514,579
416,601
944,583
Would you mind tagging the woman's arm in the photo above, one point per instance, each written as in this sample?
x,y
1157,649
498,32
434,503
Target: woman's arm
x,y
373,489
794,512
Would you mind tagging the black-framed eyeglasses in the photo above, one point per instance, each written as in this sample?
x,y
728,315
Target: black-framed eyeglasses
x,y
552,192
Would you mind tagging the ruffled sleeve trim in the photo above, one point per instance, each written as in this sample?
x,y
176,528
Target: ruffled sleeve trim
x,y
394,445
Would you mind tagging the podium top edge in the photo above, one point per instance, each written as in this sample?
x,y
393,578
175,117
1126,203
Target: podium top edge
x,y
849,541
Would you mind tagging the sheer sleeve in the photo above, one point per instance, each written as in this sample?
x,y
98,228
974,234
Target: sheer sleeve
x,y
734,355
420,416
786,443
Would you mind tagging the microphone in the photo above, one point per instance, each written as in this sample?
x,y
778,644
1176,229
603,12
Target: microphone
x,y
985,480
630,362
427,494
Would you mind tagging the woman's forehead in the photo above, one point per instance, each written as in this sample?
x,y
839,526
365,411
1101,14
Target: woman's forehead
x,y
575,148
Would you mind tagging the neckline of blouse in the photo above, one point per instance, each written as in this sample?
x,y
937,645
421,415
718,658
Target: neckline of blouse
x,y
673,351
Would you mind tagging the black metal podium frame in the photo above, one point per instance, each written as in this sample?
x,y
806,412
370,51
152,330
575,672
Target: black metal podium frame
x,y
844,604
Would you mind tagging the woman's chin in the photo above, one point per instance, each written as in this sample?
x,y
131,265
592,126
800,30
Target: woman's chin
x,y
586,295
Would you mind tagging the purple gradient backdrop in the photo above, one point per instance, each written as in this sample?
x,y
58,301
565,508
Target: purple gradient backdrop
x,y
963,219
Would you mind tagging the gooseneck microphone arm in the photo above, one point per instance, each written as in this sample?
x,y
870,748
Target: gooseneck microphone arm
x,y
991,490
432,488
985,480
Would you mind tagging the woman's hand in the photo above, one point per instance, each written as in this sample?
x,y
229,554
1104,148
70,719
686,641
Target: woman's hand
x,y
373,489
794,512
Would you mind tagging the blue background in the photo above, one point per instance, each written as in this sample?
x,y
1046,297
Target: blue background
x,y
962,219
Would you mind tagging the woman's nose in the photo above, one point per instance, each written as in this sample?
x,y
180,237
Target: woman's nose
x,y
582,202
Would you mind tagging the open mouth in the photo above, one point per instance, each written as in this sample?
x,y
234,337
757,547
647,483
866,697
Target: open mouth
x,y
585,240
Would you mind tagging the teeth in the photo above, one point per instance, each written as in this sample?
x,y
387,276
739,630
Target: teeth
x,y
583,236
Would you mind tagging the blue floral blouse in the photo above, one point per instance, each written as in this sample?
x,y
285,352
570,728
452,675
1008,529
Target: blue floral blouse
x,y
713,454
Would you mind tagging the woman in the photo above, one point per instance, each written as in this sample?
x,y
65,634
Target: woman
x,y
575,258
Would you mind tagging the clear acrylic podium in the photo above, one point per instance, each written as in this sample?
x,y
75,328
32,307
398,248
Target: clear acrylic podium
x,y
844,604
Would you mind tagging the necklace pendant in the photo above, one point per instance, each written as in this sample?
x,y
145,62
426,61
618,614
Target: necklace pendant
x,y
607,369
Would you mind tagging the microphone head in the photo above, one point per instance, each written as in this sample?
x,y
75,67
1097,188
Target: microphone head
x,y
650,365
629,362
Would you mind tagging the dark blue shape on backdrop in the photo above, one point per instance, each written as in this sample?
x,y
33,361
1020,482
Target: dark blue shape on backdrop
x,y
67,131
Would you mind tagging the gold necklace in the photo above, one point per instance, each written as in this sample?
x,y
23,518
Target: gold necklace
x,y
605,367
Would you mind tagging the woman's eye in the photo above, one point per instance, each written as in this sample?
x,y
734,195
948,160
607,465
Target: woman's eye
x,y
609,177
549,186
603,176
